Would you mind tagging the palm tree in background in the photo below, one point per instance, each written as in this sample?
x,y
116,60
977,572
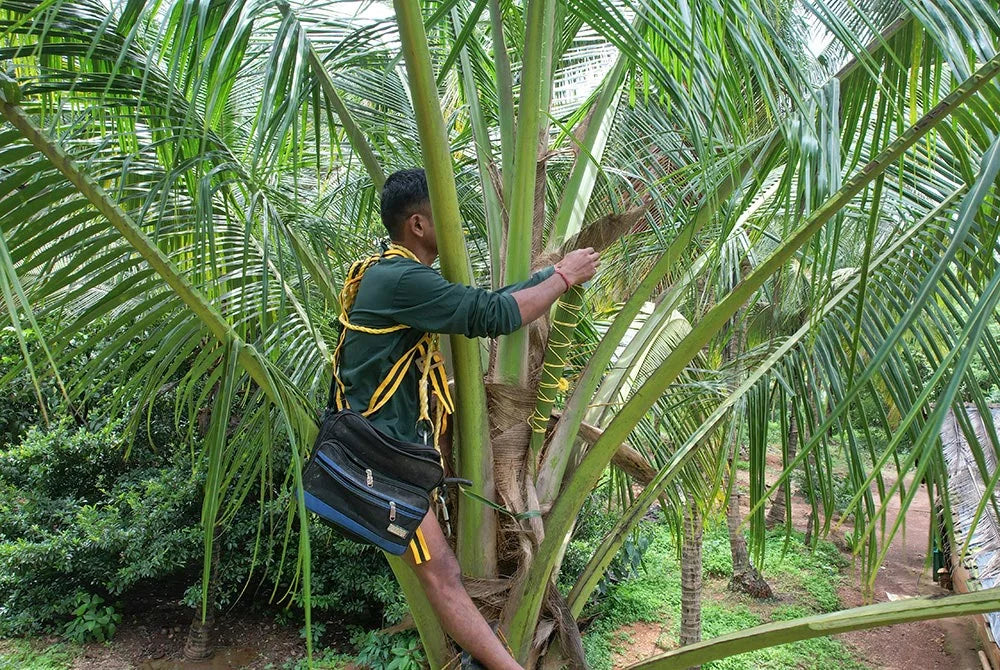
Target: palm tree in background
x,y
196,176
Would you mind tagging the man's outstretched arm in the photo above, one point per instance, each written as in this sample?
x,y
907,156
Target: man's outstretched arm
x,y
574,269
427,302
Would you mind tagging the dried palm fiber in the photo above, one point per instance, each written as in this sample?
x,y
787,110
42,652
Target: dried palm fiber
x,y
508,405
564,623
600,234
966,488
509,408
492,598
538,341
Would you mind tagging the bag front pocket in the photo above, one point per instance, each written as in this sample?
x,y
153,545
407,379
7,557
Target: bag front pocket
x,y
377,496
361,512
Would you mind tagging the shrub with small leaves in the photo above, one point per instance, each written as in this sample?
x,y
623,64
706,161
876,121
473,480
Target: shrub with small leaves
x,y
76,518
92,620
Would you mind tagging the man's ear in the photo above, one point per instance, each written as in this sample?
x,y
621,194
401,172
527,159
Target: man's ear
x,y
407,228
418,224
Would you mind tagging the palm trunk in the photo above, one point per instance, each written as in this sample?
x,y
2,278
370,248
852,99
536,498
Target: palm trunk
x,y
746,578
812,523
737,543
776,515
691,575
199,644
512,349
476,546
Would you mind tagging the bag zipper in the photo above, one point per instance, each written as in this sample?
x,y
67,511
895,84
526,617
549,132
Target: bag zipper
x,y
431,455
412,488
370,494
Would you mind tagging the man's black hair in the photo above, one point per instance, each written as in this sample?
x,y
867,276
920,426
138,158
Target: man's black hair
x,y
403,194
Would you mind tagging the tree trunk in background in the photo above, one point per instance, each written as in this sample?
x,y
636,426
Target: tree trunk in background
x,y
776,515
737,543
691,576
200,644
808,538
812,524
746,577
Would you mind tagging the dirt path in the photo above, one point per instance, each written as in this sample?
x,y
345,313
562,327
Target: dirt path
x,y
945,644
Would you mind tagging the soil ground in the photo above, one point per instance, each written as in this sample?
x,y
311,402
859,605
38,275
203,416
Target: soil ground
x,y
154,640
930,645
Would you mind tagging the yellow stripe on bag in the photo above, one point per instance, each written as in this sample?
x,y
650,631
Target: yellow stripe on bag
x,y
418,545
416,554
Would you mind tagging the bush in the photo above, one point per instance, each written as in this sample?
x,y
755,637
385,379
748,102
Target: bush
x,y
18,402
594,522
76,517
389,652
64,462
96,527
348,580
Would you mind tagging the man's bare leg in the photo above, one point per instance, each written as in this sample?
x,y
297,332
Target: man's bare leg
x,y
441,578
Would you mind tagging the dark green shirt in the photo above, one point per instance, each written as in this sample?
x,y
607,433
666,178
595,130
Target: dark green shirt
x,y
399,290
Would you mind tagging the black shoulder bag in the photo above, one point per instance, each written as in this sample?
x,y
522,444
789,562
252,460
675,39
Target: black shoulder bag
x,y
373,488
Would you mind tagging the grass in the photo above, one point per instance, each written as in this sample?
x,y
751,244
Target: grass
x,y
36,655
806,583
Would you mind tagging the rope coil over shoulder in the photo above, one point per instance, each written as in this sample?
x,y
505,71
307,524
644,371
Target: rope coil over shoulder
x,y
425,353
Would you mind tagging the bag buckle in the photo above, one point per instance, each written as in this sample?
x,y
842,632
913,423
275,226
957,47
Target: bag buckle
x,y
444,512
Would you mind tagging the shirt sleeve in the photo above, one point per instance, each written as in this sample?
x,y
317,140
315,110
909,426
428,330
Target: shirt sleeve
x,y
533,280
425,301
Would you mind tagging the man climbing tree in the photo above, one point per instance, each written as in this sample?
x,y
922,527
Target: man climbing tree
x,y
401,302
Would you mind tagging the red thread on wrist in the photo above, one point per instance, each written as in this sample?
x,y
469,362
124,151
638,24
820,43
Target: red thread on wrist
x,y
559,272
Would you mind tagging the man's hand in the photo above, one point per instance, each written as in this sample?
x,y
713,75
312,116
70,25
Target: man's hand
x,y
576,266
579,266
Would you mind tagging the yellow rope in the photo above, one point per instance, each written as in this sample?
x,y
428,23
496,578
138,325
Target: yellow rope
x,y
554,369
427,348
349,293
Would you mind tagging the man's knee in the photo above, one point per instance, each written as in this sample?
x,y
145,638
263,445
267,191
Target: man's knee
x,y
441,573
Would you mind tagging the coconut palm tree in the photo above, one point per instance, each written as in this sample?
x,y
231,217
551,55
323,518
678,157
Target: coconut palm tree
x,y
195,175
